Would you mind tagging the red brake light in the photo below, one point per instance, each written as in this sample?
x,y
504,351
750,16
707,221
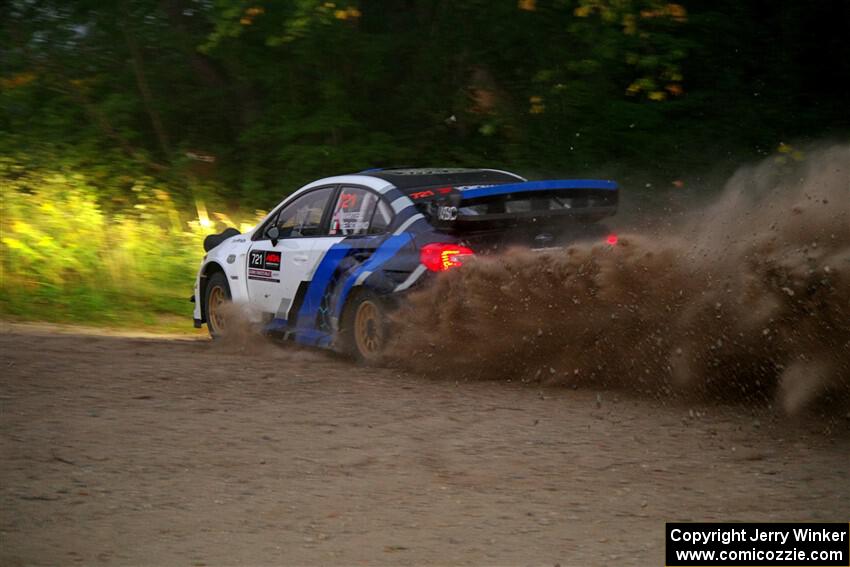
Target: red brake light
x,y
612,239
439,257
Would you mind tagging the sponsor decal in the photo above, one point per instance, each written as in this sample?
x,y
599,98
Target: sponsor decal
x,y
264,260
272,260
262,264
421,195
430,193
257,259
468,187
447,213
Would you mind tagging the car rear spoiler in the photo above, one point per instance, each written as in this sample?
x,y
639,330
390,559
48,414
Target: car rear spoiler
x,y
550,202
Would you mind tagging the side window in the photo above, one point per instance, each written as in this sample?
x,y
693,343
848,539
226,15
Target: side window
x,y
352,213
303,217
381,219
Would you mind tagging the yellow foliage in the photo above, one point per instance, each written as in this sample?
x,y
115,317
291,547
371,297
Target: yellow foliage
x,y
19,80
101,265
528,5
203,217
629,24
248,18
583,11
677,12
789,151
674,89
657,95
223,218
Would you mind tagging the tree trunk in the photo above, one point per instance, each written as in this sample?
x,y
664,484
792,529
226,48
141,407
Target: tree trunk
x,y
137,62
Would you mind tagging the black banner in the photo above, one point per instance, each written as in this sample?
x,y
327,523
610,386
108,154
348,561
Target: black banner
x,y
758,544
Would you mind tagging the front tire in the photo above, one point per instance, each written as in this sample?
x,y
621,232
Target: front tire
x,y
216,298
366,328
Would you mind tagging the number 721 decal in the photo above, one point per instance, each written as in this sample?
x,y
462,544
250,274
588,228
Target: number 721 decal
x,y
264,259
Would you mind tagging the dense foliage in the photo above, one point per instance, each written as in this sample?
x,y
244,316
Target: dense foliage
x,y
118,118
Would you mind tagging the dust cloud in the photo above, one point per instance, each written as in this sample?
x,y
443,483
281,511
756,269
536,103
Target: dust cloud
x,y
749,300
242,331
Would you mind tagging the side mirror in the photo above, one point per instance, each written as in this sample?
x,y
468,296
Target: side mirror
x,y
274,234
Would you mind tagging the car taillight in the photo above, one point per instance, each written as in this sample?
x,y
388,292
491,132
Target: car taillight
x,y
439,257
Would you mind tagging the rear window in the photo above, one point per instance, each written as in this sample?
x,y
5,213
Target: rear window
x,y
513,204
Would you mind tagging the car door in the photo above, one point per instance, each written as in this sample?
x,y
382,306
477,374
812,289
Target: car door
x,y
277,266
357,222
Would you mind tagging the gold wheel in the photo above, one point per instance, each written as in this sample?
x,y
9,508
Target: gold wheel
x,y
215,311
368,330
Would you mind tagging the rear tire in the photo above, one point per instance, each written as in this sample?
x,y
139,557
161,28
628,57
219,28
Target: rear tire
x,y
365,328
216,298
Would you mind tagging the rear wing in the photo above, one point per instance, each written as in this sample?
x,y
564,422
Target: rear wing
x,y
475,208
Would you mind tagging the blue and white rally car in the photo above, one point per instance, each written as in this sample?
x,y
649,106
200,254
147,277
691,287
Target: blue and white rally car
x,y
326,265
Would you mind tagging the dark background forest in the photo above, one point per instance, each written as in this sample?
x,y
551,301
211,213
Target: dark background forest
x,y
122,123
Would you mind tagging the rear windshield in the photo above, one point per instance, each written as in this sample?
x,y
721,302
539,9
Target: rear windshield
x,y
562,200
498,212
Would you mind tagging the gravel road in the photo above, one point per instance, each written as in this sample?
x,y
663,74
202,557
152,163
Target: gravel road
x,y
159,451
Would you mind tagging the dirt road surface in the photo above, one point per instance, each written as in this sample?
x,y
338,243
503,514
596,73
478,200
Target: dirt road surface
x,y
157,451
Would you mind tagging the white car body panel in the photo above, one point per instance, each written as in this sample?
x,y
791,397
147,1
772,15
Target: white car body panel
x,y
301,256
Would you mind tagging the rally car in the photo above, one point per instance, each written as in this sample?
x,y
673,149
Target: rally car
x,y
326,266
